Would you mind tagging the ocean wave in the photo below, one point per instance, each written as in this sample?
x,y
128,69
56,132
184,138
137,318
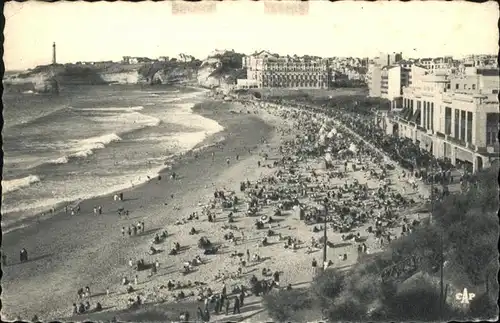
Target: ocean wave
x,y
44,116
60,160
133,119
111,109
185,116
172,100
86,147
18,183
83,191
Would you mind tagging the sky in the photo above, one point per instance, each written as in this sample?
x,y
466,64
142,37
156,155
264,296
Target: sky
x,y
107,31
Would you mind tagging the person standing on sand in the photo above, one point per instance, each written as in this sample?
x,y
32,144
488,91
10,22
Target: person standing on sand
x,y
207,316
236,308
228,303
205,303
217,306
123,231
142,226
200,314
99,209
228,161
242,298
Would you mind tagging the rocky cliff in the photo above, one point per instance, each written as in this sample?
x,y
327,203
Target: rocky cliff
x,y
221,70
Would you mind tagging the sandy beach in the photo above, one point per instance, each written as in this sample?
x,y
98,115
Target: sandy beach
x,y
68,253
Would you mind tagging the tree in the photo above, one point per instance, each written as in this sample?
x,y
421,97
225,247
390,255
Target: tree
x,y
284,305
327,286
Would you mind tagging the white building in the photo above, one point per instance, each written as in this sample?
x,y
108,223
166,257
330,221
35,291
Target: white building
x,y
271,70
452,116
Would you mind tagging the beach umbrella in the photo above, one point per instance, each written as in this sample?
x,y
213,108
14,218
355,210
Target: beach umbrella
x,y
353,148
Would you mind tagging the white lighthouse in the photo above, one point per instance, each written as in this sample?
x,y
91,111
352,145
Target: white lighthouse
x,y
54,62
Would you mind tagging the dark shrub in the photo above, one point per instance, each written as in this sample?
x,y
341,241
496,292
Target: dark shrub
x,y
285,304
327,286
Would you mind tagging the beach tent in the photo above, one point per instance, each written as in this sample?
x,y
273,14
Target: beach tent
x,y
353,148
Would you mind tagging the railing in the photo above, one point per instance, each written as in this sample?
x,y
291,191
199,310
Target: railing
x,y
457,141
440,135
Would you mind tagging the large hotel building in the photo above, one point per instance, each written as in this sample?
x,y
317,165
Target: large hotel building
x,y
455,116
265,70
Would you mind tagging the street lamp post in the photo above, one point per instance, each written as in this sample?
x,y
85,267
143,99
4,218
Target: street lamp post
x,y
325,236
441,242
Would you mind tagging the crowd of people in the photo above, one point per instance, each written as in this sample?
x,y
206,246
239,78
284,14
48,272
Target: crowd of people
x,y
334,196
352,194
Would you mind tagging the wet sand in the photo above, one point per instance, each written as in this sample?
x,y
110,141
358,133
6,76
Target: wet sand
x,y
70,252
103,259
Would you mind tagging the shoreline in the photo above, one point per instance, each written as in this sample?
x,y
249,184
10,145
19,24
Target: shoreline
x,y
97,253
62,238
18,219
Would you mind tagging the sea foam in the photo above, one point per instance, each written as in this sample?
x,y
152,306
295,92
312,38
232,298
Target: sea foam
x,y
18,183
86,147
112,109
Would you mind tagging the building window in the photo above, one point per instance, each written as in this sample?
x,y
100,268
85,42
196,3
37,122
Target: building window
x,y
462,125
424,115
456,86
473,86
428,116
432,116
456,133
492,120
447,121
468,138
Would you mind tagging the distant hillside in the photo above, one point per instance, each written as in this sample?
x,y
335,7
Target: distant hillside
x,y
219,70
